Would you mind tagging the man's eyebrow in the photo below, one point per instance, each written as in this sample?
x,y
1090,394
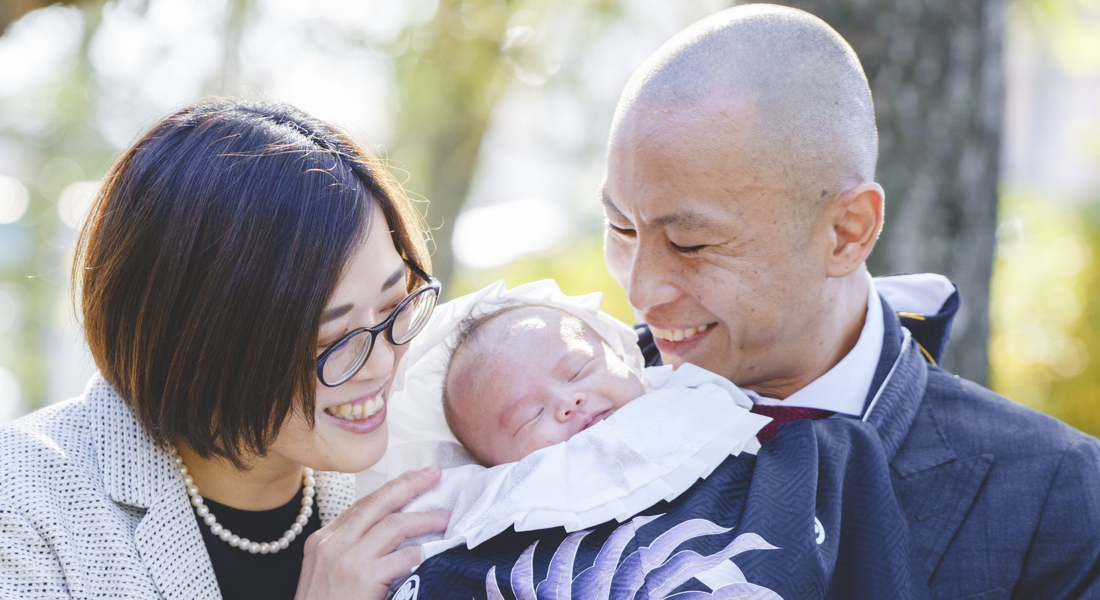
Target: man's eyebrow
x,y
683,220
610,206
338,311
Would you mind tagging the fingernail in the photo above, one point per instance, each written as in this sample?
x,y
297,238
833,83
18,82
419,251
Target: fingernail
x,y
430,469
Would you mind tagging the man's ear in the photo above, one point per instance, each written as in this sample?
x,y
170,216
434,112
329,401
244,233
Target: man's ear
x,y
856,223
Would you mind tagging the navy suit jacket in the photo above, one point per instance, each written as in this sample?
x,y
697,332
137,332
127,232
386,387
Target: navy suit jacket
x,y
1001,501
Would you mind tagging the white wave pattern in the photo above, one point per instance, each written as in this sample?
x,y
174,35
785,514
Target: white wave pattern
x,y
655,567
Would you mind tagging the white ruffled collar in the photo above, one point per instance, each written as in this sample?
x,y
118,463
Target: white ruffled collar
x,y
650,450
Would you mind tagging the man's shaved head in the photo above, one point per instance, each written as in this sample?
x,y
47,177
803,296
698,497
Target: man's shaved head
x,y
740,197
784,77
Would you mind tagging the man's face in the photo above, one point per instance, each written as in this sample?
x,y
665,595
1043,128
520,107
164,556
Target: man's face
x,y
700,235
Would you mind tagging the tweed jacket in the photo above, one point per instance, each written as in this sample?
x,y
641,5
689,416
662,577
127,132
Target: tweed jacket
x,y
91,507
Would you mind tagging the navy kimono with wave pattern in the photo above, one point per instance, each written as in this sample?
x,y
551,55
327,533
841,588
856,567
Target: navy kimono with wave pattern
x,y
814,515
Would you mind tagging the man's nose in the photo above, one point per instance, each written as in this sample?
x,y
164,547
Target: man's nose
x,y
569,405
649,284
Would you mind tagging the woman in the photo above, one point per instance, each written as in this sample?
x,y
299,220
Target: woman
x,y
248,277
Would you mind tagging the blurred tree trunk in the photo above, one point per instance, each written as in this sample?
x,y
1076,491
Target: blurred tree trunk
x,y
449,80
937,76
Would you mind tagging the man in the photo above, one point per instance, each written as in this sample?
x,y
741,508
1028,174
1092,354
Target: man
x,y
741,207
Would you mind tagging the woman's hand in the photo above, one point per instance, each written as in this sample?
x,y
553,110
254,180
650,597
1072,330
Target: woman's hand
x,y
356,555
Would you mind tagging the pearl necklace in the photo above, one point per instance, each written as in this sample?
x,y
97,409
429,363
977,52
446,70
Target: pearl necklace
x,y
308,492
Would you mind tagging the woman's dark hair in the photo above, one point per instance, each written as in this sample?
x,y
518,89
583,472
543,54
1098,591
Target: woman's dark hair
x,y
208,257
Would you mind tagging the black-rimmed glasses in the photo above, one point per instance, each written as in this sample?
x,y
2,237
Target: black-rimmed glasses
x,y
343,359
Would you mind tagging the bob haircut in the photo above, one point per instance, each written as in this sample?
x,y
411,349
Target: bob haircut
x,y
209,254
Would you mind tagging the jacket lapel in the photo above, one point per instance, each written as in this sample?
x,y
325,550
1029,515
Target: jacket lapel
x,y
335,493
173,551
136,472
934,486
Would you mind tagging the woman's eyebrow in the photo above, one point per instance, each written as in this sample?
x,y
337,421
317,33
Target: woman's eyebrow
x,y
338,311
334,313
397,276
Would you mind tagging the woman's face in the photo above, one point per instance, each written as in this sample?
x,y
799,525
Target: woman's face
x,y
372,286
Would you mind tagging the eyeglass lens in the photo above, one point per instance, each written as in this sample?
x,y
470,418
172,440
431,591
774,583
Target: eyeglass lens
x,y
413,317
344,360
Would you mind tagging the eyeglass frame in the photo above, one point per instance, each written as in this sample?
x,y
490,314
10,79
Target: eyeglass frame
x,y
384,327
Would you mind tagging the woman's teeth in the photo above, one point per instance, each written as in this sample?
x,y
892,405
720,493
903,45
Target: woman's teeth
x,y
351,412
677,335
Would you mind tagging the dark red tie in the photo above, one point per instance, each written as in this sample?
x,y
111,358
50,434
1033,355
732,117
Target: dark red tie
x,y
783,414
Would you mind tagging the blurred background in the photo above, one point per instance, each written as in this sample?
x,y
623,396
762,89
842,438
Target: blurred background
x,y
494,114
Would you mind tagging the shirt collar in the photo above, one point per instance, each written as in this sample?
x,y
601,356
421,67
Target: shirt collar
x,y
844,388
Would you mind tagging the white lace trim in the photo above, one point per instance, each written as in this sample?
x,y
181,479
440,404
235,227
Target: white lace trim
x,y
652,449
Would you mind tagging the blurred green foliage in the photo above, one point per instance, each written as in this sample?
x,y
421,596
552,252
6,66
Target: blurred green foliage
x,y
579,269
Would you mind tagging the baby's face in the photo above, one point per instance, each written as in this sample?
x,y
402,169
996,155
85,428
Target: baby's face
x,y
531,378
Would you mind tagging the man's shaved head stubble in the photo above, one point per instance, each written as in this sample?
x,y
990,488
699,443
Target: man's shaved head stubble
x,y
781,78
740,196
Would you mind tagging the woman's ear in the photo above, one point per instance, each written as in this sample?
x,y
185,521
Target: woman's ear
x,y
857,217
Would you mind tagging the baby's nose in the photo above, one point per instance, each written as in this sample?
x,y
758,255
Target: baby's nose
x,y
569,406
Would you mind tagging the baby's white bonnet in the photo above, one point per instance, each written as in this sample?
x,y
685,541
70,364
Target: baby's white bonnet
x,y
418,431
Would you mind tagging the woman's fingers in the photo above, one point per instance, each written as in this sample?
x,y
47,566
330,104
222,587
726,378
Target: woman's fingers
x,y
398,564
368,511
356,555
388,534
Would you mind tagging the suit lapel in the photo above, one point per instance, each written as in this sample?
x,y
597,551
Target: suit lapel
x,y
173,551
136,472
934,486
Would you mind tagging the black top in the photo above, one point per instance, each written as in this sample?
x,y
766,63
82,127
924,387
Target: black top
x,y
242,574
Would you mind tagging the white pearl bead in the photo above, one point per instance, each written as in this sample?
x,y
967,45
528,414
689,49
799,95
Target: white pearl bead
x,y
203,511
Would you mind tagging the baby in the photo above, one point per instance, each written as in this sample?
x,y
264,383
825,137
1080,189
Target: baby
x,y
525,382
527,377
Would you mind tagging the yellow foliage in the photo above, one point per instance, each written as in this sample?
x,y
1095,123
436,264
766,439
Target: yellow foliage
x,y
1043,311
